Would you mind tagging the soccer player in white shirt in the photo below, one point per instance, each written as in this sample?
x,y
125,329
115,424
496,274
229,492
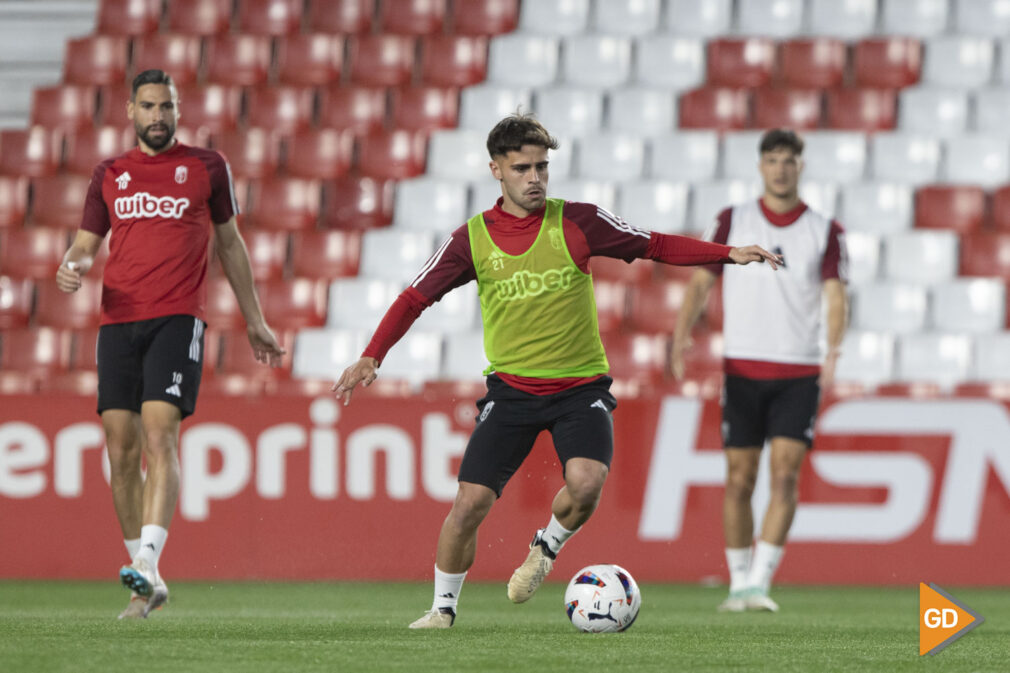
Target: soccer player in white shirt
x,y
774,368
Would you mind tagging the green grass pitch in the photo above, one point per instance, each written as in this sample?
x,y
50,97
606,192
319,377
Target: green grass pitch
x,y
251,627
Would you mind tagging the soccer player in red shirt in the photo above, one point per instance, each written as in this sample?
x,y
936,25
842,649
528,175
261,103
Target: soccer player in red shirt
x,y
530,257
158,201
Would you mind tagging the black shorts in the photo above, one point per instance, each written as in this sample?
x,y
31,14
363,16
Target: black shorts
x,y
156,359
509,420
754,410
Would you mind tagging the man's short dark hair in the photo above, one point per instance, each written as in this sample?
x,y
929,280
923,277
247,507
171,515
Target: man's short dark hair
x,y
516,130
150,77
781,139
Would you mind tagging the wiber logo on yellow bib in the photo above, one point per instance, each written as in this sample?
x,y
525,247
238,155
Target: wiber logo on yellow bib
x,y
942,619
524,284
143,204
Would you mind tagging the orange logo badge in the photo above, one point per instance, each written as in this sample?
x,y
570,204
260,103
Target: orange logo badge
x,y
942,619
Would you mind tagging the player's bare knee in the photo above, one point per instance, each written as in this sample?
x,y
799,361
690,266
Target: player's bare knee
x,y
785,486
740,485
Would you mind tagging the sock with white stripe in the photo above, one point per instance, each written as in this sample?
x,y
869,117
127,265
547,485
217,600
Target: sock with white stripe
x,y
738,562
766,561
152,542
447,588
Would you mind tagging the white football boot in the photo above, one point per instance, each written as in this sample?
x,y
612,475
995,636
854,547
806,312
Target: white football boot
x,y
757,600
146,584
735,602
436,618
527,578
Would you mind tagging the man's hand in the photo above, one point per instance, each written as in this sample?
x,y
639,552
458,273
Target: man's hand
x,y
362,371
68,277
264,345
680,346
754,253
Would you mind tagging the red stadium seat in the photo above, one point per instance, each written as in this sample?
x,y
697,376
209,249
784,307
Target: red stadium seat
x,y
412,17
653,308
81,383
86,148
128,17
236,356
284,204
222,312
985,253
64,106
282,109
381,60
15,302
268,253
638,357
355,202
817,63
214,107
18,383
610,268
40,351
58,201
96,59
325,255
958,207
887,62
32,253
31,152
84,349
112,102
453,60
293,303
199,17
269,17
715,108
1001,208
704,358
862,109
241,60
178,55
611,304
310,60
76,310
319,153
425,108
13,201
359,109
740,62
792,108
485,17
345,17
395,154
251,153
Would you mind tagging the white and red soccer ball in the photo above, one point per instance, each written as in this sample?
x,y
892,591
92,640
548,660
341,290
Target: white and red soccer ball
x,y
602,598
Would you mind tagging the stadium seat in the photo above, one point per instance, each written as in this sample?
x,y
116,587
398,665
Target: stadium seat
x,y
917,18
867,358
416,358
284,204
222,312
465,359
484,105
889,306
314,59
778,18
40,351
992,357
485,192
251,153
32,152
64,107
821,195
657,205
395,154
921,256
1001,208
834,155
13,201
688,156
740,154
58,201
970,305
617,271
860,109
961,208
595,60
978,159
703,19
199,17
293,303
96,59
394,254
381,60
619,17
269,17
981,17
641,111
611,298
212,108
708,199
569,111
238,59
812,63
671,61
639,357
602,193
485,17
360,303
458,155
32,253
905,157
355,202
863,250
430,204
992,108
342,17
325,255
453,60
424,108
457,311
887,62
523,60
282,109
412,17
236,355
77,310
128,17
16,295
268,253
611,156
876,207
359,109
740,62
717,108
323,353
319,153
653,308
848,20
983,253
942,359
178,55
554,18
112,102
799,109
958,61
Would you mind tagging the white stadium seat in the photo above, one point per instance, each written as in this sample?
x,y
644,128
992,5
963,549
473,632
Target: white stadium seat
x,y
888,306
611,156
711,198
864,256
430,204
523,60
458,154
643,111
457,311
943,359
600,192
821,196
484,194
464,356
846,19
686,155
770,18
740,155
569,111
958,61
671,61
979,159
324,353
834,155
655,205
933,111
914,18
596,60
910,158
1004,61
969,305
867,358
621,17
876,207
555,17
992,109
705,19
360,303
416,358
484,105
982,17
992,357
921,256
395,254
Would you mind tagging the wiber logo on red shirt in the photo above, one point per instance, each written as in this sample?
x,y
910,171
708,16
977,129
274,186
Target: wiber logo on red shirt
x,y
143,204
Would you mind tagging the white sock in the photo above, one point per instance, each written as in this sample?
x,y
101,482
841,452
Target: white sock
x,y
447,588
132,547
152,541
555,535
766,561
738,561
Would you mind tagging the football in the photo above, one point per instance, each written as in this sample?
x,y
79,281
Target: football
x,y
602,599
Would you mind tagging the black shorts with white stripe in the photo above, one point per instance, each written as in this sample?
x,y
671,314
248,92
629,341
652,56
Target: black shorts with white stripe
x,y
156,359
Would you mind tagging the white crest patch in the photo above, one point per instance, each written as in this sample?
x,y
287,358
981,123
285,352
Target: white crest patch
x,y
181,173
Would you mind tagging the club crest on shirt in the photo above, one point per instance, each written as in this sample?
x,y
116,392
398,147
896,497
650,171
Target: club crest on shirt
x,y
181,173
123,180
